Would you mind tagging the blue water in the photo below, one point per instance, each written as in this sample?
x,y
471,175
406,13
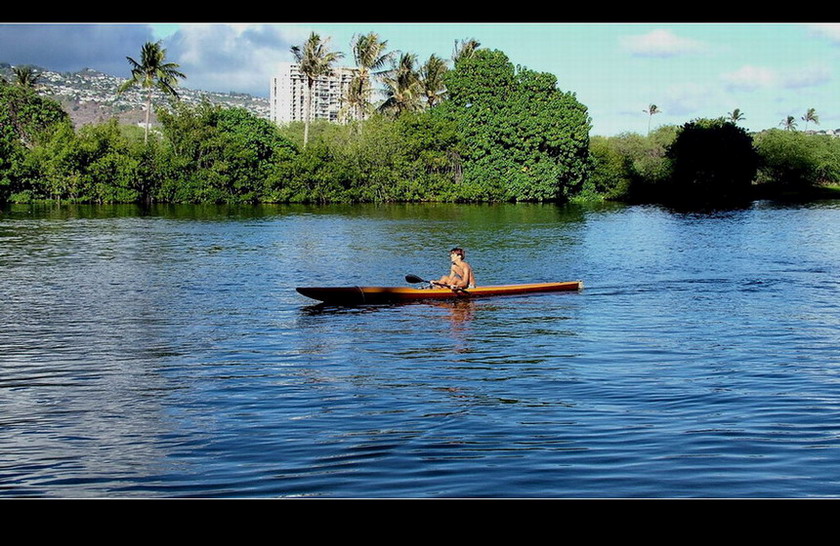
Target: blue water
x,y
165,353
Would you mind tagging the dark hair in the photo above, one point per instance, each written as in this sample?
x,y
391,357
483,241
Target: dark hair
x,y
459,251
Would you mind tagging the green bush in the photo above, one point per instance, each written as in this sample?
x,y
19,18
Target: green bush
x,y
220,155
629,166
793,160
26,119
522,139
712,161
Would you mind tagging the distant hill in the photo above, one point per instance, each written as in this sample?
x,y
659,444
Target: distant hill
x,y
90,96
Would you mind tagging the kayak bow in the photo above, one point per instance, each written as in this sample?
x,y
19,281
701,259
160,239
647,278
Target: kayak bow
x,y
355,295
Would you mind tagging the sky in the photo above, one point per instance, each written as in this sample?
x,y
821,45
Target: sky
x,y
617,70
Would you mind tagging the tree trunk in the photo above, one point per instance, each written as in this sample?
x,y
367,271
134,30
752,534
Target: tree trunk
x,y
148,111
308,114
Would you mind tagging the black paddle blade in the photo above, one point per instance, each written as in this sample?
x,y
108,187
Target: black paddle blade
x,y
413,279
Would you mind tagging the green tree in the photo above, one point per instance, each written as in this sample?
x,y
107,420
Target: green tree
x,y
252,147
796,161
315,60
432,147
789,123
810,115
736,115
152,72
110,170
411,158
24,115
370,54
713,160
25,76
631,167
522,138
220,154
99,164
403,87
651,111
465,49
431,78
610,176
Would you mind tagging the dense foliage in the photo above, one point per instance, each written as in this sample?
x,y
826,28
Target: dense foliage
x,y
205,154
493,132
211,154
98,164
522,138
411,158
791,160
629,166
25,120
711,161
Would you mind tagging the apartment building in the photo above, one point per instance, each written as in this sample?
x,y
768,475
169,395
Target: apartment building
x,y
288,95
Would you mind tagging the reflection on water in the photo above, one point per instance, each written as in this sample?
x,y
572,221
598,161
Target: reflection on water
x,y
163,351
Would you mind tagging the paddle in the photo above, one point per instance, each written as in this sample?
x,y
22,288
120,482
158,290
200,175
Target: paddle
x,y
413,279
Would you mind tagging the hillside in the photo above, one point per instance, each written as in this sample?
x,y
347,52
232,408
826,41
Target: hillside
x,y
90,96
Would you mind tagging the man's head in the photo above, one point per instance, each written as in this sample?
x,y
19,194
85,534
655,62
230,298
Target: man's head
x,y
457,252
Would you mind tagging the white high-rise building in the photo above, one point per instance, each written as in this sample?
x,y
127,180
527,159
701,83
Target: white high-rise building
x,y
288,95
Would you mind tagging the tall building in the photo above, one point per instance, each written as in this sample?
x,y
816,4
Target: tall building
x,y
288,95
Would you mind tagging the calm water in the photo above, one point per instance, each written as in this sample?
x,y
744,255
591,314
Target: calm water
x,y
165,353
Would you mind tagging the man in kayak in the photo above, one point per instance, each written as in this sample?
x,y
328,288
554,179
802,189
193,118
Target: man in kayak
x,y
460,275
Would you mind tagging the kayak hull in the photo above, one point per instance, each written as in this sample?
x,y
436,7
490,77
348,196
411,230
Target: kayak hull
x,y
360,295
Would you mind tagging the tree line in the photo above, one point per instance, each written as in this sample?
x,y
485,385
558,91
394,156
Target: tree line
x,y
708,161
483,130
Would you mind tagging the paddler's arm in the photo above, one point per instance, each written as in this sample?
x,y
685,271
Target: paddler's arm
x,y
453,287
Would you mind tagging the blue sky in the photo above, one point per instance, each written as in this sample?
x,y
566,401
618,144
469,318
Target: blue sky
x,y
690,70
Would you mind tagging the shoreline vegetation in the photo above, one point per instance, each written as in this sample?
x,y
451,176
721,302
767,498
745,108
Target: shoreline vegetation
x,y
483,131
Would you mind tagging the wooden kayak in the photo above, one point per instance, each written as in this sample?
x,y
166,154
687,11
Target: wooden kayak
x,y
356,295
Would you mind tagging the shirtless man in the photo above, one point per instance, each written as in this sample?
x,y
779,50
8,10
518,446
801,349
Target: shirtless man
x,y
460,275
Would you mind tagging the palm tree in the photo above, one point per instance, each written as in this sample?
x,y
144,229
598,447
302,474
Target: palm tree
x,y
810,115
465,49
736,115
315,60
652,109
403,87
789,123
370,56
356,104
25,77
431,77
152,72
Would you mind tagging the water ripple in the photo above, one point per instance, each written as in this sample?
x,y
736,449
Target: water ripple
x,y
168,355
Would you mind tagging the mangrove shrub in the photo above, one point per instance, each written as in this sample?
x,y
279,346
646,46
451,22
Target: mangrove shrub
x,y
217,154
25,120
793,160
522,138
711,160
630,166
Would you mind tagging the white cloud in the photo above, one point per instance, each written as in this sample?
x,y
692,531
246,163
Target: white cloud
x,y
227,57
750,78
809,76
661,43
215,57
